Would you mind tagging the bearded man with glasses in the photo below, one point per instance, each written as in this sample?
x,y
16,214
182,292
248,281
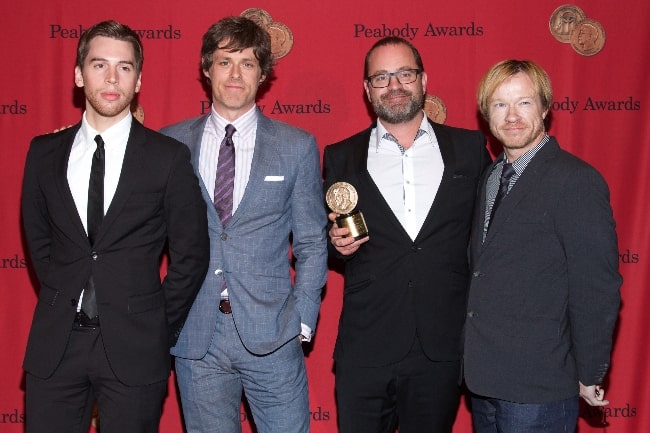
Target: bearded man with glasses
x,y
399,344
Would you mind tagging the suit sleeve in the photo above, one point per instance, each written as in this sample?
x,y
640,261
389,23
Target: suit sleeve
x,y
330,178
35,218
189,245
587,231
309,240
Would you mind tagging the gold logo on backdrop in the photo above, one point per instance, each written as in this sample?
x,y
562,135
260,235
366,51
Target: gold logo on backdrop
x,y
281,36
435,109
563,21
588,38
569,25
137,111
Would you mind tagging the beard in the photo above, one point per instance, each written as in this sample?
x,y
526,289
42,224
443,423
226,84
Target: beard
x,y
399,113
109,109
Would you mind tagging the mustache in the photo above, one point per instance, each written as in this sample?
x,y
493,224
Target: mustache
x,y
396,92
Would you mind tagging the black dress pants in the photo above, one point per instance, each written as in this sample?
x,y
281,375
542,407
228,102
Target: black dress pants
x,y
415,394
63,402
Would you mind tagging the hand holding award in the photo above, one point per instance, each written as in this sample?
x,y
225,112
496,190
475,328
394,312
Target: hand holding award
x,y
342,198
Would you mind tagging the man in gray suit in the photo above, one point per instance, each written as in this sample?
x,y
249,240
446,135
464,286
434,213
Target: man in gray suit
x,y
544,293
245,328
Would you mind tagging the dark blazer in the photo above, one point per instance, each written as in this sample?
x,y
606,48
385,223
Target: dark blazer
x,y
157,201
544,294
394,286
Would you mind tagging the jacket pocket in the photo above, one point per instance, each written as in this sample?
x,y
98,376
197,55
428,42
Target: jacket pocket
x,y
149,301
48,295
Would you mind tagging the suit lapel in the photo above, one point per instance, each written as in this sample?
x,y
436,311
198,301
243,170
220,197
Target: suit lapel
x,y
61,178
366,186
448,154
195,132
265,152
132,167
526,184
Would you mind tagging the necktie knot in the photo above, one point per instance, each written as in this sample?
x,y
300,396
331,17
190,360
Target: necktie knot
x,y
100,141
506,174
230,131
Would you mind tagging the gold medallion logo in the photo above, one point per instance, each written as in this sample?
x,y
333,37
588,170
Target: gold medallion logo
x,y
435,109
569,24
588,37
280,34
563,21
137,111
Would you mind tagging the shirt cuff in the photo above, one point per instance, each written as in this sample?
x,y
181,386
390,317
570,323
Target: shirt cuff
x,y
305,332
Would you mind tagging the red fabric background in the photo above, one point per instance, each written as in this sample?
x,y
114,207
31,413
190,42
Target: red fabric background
x,y
600,114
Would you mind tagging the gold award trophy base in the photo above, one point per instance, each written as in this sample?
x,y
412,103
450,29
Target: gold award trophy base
x,y
355,223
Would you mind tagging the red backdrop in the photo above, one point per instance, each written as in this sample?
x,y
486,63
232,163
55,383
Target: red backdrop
x,y
600,113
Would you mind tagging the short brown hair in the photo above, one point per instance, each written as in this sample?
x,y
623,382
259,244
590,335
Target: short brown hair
x,y
236,34
114,30
506,69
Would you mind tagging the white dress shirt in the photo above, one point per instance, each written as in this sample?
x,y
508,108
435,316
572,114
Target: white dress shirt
x,y
244,141
80,162
407,179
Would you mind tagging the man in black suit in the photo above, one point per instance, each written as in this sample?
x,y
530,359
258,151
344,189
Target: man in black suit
x,y
100,201
544,293
399,344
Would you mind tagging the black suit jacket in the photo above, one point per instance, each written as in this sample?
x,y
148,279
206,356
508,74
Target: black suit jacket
x,y
157,201
394,286
544,293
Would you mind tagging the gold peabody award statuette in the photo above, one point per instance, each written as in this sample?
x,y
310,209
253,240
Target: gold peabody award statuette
x,y
342,198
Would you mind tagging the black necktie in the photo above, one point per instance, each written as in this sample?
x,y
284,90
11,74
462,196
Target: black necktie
x,y
95,216
224,183
506,174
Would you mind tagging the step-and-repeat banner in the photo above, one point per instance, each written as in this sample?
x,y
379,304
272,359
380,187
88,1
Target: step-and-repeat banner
x,y
595,52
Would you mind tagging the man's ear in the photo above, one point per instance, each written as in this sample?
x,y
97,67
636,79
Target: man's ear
x,y
78,77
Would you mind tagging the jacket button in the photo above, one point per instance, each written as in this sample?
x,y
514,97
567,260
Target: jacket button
x,y
472,314
218,272
224,236
73,302
476,274
94,255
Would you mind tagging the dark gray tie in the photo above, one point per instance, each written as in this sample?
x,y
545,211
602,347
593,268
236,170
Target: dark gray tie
x,y
506,174
95,217
224,183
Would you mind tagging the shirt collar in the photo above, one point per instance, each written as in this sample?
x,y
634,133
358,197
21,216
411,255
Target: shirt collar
x,y
520,163
384,135
117,133
245,124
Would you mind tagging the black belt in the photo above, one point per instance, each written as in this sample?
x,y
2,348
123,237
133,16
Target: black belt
x,y
83,321
224,306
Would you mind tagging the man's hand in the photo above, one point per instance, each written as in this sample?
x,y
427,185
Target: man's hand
x,y
594,395
342,242
61,128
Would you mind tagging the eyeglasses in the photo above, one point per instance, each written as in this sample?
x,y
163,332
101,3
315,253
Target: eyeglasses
x,y
405,76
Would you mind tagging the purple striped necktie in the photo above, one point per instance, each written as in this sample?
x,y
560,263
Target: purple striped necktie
x,y
224,184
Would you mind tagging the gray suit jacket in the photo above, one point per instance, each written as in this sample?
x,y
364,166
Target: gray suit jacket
x,y
544,292
281,210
